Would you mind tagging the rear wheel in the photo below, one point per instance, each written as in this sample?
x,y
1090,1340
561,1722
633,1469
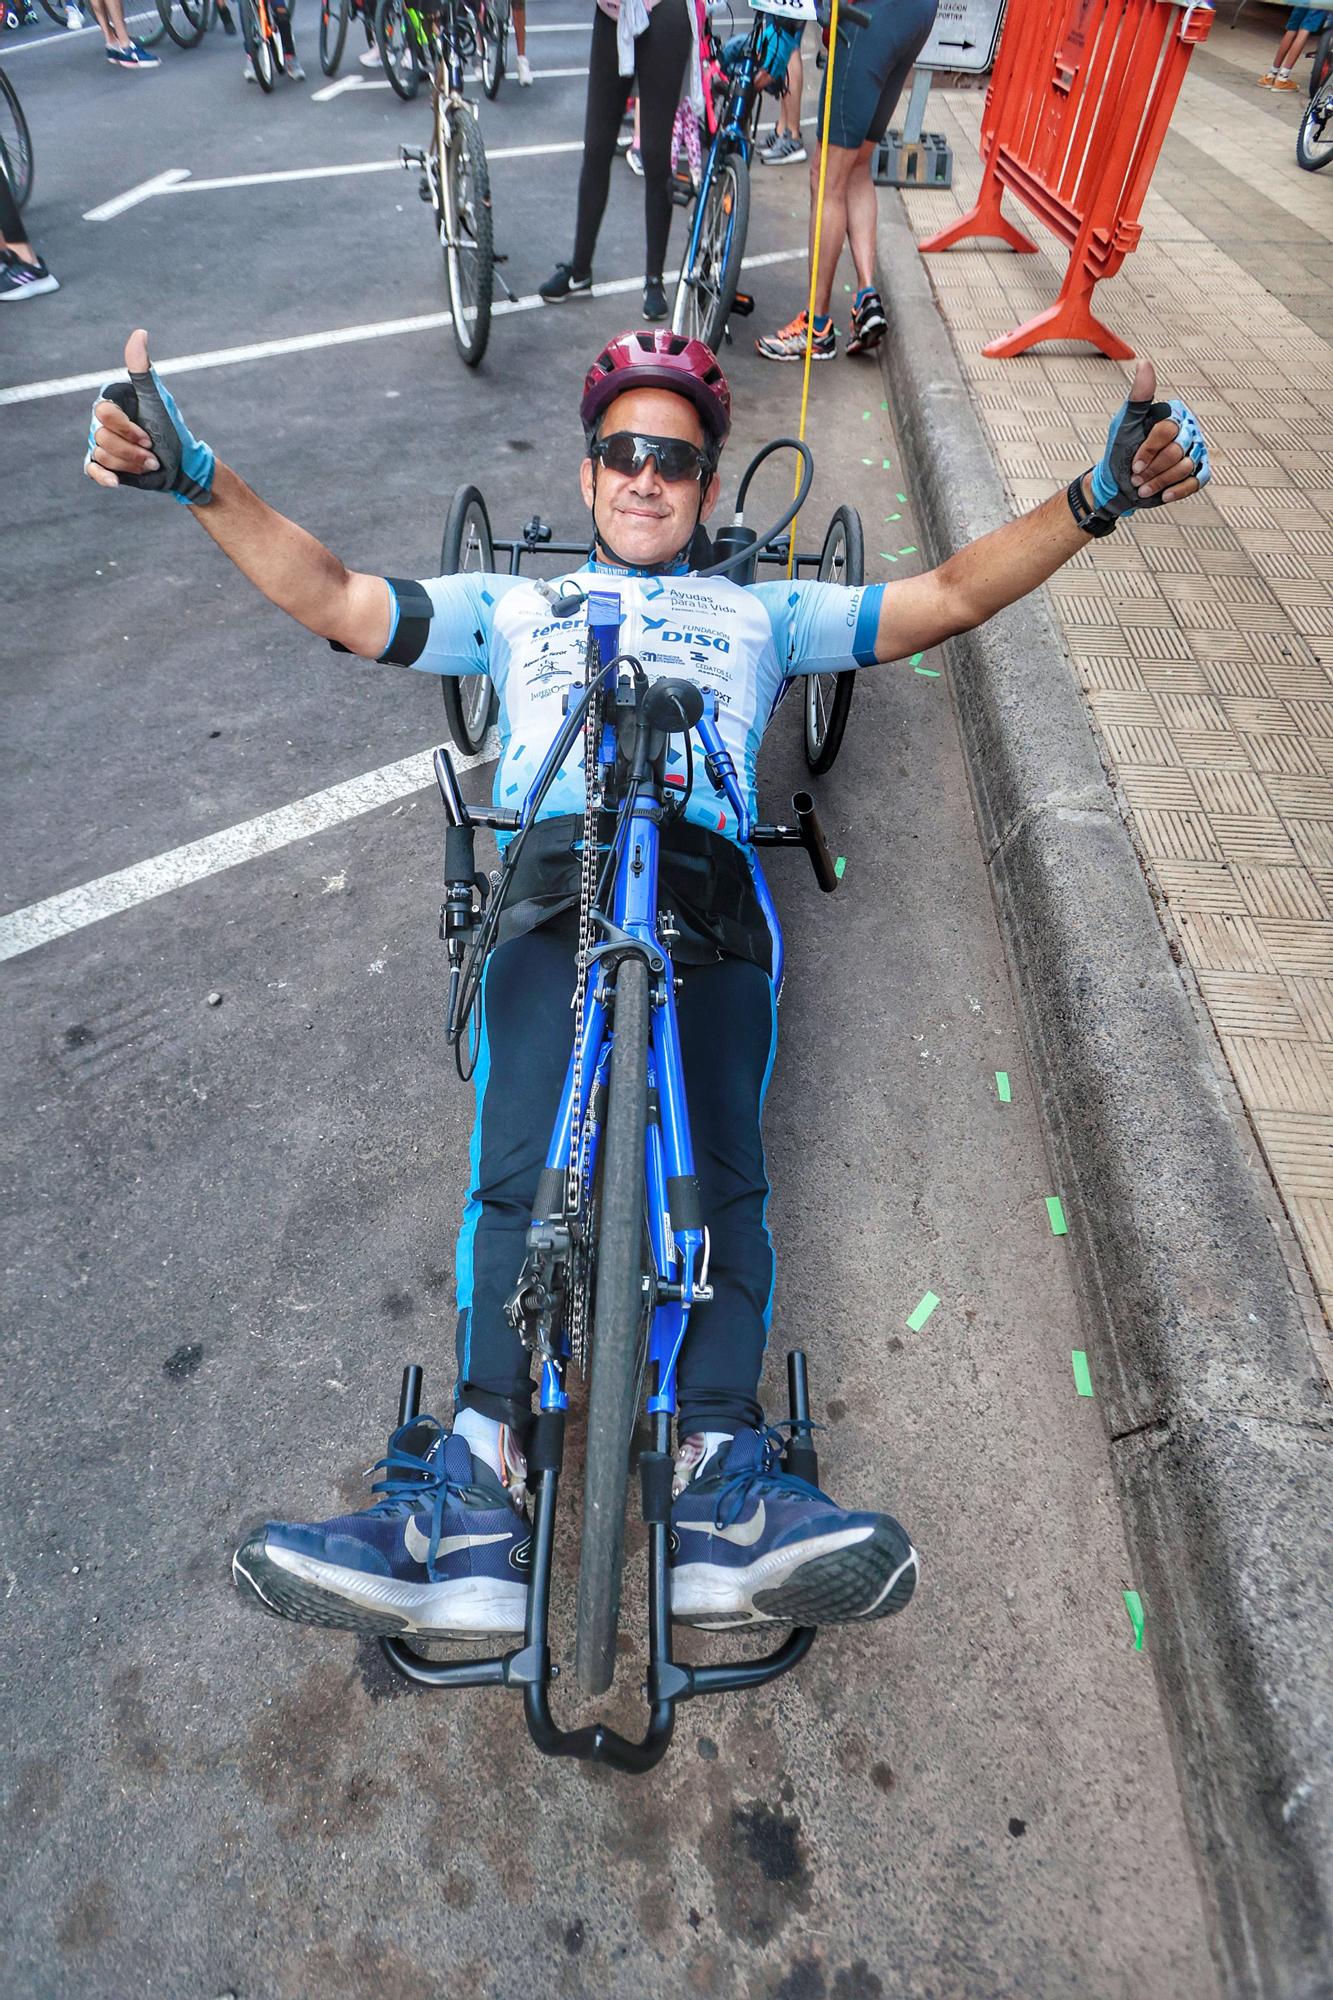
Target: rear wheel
x,y
56,10
1321,63
184,20
469,702
396,44
333,18
15,142
261,47
1314,141
146,25
467,242
707,288
494,36
619,1332
828,697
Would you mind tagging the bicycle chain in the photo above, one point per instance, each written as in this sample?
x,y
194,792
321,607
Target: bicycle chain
x,y
575,1202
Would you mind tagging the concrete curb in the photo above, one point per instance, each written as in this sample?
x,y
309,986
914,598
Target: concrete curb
x,y
1221,1425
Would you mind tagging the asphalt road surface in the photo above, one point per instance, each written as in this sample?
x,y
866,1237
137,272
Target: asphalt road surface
x,y
228,1225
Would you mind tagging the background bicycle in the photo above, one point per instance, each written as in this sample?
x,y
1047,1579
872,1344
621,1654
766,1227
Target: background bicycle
x,y
15,142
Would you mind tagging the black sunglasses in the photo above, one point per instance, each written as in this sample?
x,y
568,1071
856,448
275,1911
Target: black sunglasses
x,y
629,451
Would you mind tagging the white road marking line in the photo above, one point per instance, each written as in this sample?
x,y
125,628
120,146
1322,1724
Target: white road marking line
x,y
179,180
41,923
346,83
133,196
338,336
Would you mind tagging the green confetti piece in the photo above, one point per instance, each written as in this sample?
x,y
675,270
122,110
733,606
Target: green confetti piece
x,y
891,517
884,556
1002,1086
884,405
1134,1606
917,1318
916,659
867,461
839,866
1059,1227
1082,1378
865,416
910,550
902,497
927,673
887,463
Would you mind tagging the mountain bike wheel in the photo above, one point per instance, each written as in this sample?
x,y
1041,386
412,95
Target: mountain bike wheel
x,y
15,142
55,9
260,46
467,241
184,20
706,291
494,25
469,700
619,1333
394,40
146,25
1314,141
828,697
1321,63
333,18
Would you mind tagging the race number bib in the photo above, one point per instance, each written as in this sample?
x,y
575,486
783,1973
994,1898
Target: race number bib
x,y
785,10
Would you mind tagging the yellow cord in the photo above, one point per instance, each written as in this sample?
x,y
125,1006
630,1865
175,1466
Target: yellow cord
x,y
814,267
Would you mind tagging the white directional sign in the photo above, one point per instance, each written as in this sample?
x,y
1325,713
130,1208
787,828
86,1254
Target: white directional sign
x,y
964,36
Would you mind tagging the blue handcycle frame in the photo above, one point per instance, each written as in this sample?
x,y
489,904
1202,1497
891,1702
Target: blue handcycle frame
x,y
676,1248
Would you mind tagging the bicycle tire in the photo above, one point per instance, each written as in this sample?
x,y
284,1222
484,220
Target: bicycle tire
x,y
468,242
146,26
334,16
1314,152
494,35
55,11
706,292
469,699
393,39
828,697
15,143
618,1328
194,15
1321,63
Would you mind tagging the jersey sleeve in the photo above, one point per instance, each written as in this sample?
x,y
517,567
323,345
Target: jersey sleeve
x,y
443,625
822,628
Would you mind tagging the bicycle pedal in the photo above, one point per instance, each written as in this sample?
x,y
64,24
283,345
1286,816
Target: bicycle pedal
x,y
743,304
411,156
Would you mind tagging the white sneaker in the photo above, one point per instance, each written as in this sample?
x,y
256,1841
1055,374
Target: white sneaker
x,y
294,69
370,60
524,71
73,18
249,71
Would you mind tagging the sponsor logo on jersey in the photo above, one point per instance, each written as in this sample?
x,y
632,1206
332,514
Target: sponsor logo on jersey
x,y
678,637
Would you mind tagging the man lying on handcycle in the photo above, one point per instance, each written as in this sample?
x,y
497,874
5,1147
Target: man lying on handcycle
x,y
445,1549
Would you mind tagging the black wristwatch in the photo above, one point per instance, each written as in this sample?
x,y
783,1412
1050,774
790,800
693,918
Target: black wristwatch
x,y
1092,520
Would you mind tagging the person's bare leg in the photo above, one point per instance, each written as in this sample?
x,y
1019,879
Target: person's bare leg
x,y
110,18
833,233
862,216
789,105
520,14
21,249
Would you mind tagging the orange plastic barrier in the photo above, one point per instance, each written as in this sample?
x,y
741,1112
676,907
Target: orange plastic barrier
x,y
1079,102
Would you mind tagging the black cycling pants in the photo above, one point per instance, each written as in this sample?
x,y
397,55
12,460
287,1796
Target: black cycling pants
x,y
11,221
728,1032
660,54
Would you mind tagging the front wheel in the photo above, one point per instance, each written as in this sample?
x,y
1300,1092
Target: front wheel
x,y
828,697
466,238
15,142
709,280
333,18
1314,141
494,35
184,20
619,1332
261,48
467,547
397,47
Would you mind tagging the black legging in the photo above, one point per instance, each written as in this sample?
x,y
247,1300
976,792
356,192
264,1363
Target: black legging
x,y
11,222
660,54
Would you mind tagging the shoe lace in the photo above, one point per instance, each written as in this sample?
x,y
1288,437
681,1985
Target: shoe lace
x,y
414,1486
793,327
734,1489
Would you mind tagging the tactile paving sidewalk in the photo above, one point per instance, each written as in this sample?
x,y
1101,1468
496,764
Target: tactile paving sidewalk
x,y
1202,638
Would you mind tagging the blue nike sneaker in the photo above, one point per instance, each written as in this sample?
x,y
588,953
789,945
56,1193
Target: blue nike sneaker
x,y
444,1552
752,1545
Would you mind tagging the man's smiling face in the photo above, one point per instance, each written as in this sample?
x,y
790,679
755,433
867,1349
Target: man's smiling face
x,y
643,517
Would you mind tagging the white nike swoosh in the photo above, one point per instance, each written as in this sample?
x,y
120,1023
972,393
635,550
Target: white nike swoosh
x,y
745,1533
418,1545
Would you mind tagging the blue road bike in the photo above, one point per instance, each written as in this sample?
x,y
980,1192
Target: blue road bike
x,y
617,1250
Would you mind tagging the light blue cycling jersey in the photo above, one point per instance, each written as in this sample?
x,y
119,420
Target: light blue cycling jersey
x,y
738,643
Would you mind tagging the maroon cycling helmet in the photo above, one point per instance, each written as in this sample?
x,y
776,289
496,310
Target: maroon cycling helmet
x,y
659,360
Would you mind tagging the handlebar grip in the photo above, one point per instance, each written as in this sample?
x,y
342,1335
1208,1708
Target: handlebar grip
x,y
813,841
460,854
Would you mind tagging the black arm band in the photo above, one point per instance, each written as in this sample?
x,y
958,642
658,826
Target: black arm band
x,y
1091,519
415,612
